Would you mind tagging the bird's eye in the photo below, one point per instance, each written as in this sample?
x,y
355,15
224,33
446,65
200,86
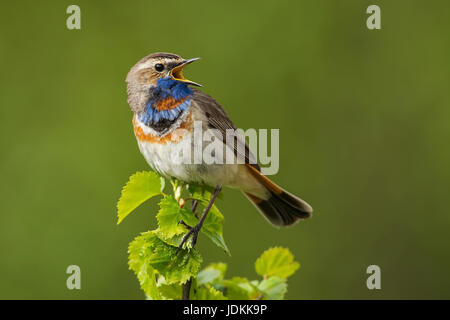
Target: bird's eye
x,y
159,67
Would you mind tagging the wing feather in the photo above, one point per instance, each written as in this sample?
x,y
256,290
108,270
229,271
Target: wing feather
x,y
218,119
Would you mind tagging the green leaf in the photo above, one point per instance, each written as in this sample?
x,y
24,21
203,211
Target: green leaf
x,y
176,267
170,213
140,187
213,274
207,276
172,233
149,254
219,266
169,291
138,262
168,217
208,293
273,288
240,289
276,262
213,228
174,241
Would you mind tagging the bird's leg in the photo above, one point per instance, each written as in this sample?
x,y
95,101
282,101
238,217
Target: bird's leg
x,y
196,229
194,207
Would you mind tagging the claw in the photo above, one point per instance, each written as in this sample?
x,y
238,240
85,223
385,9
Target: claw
x,y
195,230
192,232
185,224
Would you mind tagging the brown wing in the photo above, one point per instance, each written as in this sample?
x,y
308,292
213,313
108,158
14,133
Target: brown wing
x,y
218,119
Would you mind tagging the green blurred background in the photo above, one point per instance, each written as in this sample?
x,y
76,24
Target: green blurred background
x,y
364,133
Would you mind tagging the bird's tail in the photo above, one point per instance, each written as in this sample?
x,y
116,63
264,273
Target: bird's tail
x,y
281,208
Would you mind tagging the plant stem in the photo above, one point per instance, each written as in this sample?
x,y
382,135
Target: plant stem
x,y
187,289
196,230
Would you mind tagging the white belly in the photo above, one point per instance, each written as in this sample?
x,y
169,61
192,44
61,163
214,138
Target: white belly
x,y
167,159
177,160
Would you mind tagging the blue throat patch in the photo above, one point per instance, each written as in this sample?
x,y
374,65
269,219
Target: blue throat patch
x,y
166,88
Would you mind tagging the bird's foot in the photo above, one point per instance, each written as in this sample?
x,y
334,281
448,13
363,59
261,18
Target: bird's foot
x,y
196,229
193,231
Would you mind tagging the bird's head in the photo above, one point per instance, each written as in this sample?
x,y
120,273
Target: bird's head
x,y
157,66
152,70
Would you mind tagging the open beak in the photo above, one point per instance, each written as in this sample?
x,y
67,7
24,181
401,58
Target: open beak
x,y
177,72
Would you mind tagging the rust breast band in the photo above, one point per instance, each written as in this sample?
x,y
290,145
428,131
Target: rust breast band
x,y
175,136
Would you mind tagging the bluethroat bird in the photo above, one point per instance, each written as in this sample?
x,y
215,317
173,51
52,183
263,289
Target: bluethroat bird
x,y
166,105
